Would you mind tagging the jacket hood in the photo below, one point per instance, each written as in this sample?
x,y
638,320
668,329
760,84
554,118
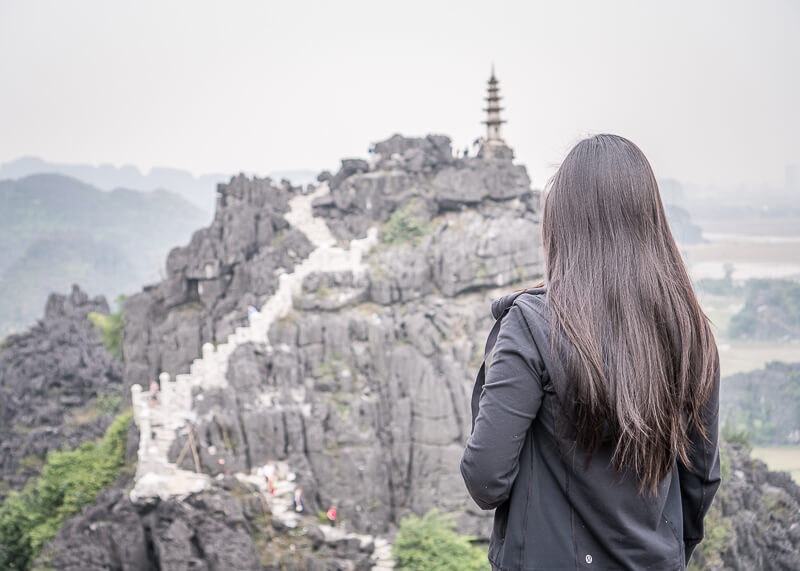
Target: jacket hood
x,y
501,304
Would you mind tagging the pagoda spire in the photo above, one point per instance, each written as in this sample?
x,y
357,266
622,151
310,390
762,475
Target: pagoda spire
x,y
493,146
493,121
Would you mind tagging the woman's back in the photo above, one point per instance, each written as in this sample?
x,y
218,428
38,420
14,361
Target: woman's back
x,y
554,512
596,435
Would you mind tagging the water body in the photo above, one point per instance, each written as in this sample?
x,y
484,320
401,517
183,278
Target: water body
x,y
749,238
744,270
751,255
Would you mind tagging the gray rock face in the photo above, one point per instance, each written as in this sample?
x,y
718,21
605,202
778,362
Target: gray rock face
x,y
368,405
754,522
226,528
236,261
363,389
420,169
231,264
50,377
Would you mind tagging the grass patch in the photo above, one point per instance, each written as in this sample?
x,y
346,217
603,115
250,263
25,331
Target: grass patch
x,y
405,227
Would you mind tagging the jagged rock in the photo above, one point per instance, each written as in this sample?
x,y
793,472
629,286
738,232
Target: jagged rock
x,y
422,169
754,522
333,291
414,153
474,180
215,530
50,377
233,263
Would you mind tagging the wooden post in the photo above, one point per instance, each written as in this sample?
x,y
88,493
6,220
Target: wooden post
x,y
194,451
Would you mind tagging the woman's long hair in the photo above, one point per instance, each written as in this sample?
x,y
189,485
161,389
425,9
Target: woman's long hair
x,y
639,353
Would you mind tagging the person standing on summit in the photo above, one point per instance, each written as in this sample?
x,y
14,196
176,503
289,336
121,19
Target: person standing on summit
x,y
595,424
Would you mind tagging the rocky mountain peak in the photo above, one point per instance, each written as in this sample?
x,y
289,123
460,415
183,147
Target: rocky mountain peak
x,y
75,305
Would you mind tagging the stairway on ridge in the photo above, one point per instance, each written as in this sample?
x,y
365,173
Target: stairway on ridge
x,y
173,412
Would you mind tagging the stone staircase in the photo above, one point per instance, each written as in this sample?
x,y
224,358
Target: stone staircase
x,y
173,412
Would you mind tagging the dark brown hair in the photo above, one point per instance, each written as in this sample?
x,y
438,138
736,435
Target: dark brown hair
x,y
638,351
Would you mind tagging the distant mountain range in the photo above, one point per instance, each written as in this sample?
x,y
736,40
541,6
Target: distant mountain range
x,y
199,190
55,231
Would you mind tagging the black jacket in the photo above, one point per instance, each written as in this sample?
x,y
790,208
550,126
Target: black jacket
x,y
551,511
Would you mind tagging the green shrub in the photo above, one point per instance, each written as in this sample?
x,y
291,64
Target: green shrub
x,y
735,434
108,403
771,311
404,226
430,542
70,480
111,326
718,538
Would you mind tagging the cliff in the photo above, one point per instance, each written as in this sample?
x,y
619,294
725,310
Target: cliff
x,y
58,386
360,380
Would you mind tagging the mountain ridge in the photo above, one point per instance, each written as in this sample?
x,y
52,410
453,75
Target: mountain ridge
x,y
56,230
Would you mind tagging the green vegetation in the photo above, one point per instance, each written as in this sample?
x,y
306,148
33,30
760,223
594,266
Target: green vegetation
x,y
430,542
108,403
70,480
405,227
111,326
735,434
718,530
324,292
717,540
771,311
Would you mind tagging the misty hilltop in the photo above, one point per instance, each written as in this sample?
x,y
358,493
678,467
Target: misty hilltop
x,y
199,190
55,230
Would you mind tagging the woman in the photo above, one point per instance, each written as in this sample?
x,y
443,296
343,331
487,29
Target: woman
x,y
596,432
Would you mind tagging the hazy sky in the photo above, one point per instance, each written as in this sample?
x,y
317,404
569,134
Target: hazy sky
x,y
709,90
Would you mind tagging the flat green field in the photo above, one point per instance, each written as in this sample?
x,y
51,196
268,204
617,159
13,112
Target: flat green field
x,y
782,458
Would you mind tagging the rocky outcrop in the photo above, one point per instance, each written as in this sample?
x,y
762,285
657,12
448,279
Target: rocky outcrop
x,y
233,263
362,388
422,170
50,379
227,528
754,522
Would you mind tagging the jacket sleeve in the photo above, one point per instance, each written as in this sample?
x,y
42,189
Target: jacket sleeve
x,y
700,481
509,403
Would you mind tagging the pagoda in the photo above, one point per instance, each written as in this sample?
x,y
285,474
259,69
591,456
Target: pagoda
x,y
493,146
